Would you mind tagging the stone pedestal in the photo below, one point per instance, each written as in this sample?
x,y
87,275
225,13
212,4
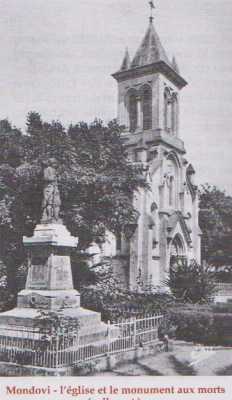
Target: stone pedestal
x,y
49,281
49,286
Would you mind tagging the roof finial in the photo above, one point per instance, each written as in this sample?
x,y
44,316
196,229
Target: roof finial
x,y
126,61
152,6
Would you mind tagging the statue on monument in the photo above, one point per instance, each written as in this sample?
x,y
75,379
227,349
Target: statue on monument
x,y
51,196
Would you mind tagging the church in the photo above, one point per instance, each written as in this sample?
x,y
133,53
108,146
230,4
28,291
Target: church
x,y
167,231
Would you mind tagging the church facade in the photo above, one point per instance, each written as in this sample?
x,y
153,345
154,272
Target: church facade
x,y
149,89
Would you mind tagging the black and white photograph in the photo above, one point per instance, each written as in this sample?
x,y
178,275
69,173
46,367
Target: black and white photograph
x,y
115,191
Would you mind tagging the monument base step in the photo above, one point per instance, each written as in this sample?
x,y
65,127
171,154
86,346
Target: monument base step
x,y
22,323
48,299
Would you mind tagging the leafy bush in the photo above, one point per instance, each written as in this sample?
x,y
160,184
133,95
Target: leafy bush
x,y
54,326
191,282
84,368
114,302
224,274
7,299
201,325
167,327
222,308
193,325
223,327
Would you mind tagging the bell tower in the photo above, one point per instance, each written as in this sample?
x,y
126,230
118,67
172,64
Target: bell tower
x,y
167,230
148,94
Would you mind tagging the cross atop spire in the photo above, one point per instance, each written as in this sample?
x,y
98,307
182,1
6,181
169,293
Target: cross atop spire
x,y
152,7
150,57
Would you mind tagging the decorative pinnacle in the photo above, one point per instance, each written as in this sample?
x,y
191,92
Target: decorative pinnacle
x,y
152,7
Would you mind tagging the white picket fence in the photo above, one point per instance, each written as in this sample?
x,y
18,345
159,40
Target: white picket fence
x,y
33,348
224,289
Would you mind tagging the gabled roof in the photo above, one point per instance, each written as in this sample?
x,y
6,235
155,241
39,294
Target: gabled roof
x,y
172,222
150,50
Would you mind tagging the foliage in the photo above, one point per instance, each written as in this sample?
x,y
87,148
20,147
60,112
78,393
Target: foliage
x,y
55,328
11,250
223,308
7,299
223,327
224,274
83,274
95,180
104,293
193,324
167,327
201,324
85,368
191,282
55,323
114,301
216,223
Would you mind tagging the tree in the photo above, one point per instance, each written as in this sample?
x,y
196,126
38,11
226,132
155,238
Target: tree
x,y
11,157
216,224
96,183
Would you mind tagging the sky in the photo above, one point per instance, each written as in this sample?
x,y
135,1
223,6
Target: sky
x,y
57,57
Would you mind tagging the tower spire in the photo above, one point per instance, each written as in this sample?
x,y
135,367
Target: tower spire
x,y
126,61
152,7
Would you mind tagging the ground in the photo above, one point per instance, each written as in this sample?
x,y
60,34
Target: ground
x,y
182,360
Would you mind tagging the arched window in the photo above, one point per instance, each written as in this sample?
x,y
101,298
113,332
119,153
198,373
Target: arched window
x,y
153,224
173,181
171,191
174,114
177,248
167,110
171,184
147,108
169,115
133,112
170,111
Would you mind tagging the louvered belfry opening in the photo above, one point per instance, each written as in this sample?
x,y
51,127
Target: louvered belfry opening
x,y
133,112
147,108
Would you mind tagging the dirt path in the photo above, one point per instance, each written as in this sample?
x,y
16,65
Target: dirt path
x,y
183,360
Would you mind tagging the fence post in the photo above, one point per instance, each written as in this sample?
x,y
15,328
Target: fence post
x,y
57,354
108,338
135,332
